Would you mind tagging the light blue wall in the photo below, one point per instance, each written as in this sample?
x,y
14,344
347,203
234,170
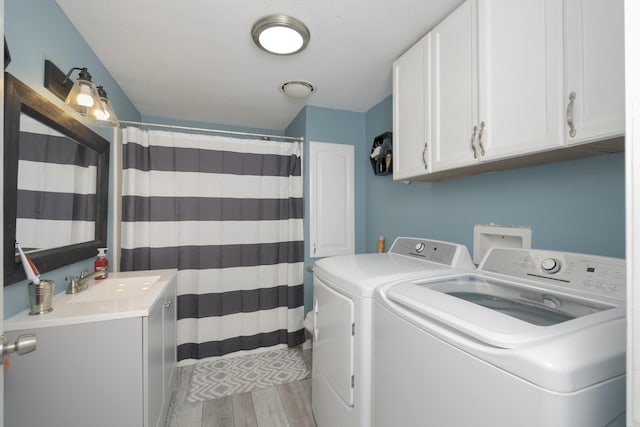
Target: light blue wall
x,y
573,206
39,30
340,127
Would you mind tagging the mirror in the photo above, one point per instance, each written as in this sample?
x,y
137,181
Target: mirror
x,y
55,184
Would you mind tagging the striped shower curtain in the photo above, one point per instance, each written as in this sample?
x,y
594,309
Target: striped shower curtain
x,y
227,213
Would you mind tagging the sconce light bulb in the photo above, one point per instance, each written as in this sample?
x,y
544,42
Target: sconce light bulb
x,y
84,98
102,113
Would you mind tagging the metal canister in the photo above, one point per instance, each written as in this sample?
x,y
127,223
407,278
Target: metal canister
x,y
40,296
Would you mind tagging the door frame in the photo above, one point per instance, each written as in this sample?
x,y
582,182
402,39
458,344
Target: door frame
x,y
632,206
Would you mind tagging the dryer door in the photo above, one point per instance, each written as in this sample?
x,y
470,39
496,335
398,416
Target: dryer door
x,y
333,341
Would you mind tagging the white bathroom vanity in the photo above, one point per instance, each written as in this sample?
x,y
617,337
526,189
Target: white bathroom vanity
x,y
105,356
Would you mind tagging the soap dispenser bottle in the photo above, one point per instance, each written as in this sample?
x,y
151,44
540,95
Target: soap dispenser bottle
x,y
101,264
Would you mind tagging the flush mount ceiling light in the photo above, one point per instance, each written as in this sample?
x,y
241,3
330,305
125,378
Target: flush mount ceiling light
x,y
280,34
297,89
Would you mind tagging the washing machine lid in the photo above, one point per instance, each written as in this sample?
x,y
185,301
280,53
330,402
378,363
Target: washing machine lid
x,y
534,306
361,274
500,313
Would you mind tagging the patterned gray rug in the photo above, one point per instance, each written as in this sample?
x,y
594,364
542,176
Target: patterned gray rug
x,y
224,377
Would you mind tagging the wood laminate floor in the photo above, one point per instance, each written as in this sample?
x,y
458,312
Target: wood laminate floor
x,y
286,405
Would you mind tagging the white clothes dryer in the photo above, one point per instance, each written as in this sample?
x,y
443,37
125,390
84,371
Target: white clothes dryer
x,y
343,288
533,338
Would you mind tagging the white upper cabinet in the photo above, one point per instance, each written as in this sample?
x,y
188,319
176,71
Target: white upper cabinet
x,y
496,81
409,113
594,67
454,88
498,75
520,57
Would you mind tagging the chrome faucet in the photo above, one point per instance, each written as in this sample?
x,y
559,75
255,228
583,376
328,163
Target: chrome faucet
x,y
80,284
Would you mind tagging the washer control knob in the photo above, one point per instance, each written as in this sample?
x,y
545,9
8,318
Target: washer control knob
x,y
420,247
550,265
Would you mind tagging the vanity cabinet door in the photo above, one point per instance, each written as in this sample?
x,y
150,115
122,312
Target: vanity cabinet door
x,y
594,49
411,152
85,374
153,366
160,358
169,341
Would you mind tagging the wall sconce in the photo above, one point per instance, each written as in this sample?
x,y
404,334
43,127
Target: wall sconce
x,y
104,115
82,97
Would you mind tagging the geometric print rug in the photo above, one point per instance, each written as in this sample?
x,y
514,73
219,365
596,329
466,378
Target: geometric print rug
x,y
224,377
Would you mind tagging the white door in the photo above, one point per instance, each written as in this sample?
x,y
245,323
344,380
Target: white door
x,y
521,75
410,150
594,37
2,218
331,199
632,164
454,88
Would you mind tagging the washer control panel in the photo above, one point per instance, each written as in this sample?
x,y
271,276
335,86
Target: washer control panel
x,y
588,273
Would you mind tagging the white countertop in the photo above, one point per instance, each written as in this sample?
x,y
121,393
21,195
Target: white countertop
x,y
74,309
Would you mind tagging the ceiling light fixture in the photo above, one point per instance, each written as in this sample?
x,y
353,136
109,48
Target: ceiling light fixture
x,y
297,89
280,34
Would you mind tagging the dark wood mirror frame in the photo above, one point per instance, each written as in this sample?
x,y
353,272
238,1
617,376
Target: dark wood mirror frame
x,y
20,98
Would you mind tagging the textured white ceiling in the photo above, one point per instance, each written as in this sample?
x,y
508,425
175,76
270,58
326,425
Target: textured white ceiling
x,y
195,60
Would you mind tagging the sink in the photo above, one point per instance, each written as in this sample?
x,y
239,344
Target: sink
x,y
115,289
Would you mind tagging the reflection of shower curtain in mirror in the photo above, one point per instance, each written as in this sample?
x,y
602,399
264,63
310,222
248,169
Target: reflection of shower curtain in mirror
x,y
227,213
56,198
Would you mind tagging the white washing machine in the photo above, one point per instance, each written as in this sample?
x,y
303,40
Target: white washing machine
x,y
343,288
533,338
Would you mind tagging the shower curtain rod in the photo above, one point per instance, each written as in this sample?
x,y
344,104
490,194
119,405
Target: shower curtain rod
x,y
228,132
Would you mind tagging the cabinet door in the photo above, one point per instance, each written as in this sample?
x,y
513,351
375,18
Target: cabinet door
x,y
331,199
410,150
520,70
333,347
454,87
153,366
594,38
170,344
85,374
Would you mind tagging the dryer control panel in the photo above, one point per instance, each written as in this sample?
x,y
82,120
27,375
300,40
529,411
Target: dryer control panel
x,y
587,273
429,250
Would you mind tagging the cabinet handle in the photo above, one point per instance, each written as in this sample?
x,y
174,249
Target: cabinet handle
x,y
424,152
480,139
473,137
167,304
572,127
